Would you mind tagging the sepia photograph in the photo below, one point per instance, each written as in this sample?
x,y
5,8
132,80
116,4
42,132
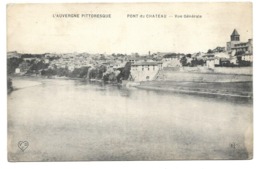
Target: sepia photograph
x,y
129,81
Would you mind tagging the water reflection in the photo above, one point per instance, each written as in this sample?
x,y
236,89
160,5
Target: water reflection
x,y
86,121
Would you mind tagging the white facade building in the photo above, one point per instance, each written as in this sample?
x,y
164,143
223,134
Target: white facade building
x,y
247,57
145,71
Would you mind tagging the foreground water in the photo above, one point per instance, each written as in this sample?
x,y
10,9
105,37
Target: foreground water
x,y
73,120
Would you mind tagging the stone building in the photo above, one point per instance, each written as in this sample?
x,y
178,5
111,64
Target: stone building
x,y
145,71
237,45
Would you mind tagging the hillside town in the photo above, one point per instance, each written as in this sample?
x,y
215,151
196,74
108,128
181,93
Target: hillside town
x,y
115,68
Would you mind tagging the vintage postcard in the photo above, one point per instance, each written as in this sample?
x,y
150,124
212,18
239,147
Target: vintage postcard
x,y
130,81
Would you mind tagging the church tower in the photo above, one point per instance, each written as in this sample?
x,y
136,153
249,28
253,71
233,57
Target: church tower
x,y
235,36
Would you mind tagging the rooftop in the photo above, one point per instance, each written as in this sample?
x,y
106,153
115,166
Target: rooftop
x,y
147,64
235,33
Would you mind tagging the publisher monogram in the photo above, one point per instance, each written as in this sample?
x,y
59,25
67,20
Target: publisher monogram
x,y
23,145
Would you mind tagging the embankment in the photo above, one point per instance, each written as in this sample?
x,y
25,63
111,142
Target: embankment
x,y
232,89
202,77
233,85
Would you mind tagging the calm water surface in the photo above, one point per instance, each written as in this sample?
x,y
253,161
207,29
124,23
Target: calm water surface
x,y
73,120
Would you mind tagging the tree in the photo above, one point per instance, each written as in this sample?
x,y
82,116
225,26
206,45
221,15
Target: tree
x,y
195,62
37,66
238,53
12,64
124,72
97,73
93,73
84,72
188,55
183,61
102,57
170,55
9,85
102,69
49,72
63,71
210,51
110,77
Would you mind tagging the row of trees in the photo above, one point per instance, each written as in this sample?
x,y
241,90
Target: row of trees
x,y
194,62
82,72
90,73
39,67
31,66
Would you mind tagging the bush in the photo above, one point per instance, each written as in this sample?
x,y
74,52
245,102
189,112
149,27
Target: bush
x,y
97,73
124,72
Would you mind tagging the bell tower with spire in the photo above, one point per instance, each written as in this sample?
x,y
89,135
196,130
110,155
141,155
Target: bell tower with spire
x,y
235,36
234,39
235,45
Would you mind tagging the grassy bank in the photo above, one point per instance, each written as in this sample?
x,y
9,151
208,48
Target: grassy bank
x,y
230,89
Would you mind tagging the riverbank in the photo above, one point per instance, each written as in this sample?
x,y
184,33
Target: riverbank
x,y
20,84
212,85
229,89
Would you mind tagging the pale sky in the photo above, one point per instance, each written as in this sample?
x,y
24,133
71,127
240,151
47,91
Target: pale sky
x,y
33,29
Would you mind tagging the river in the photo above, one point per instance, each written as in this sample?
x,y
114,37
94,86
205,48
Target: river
x,y
65,120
